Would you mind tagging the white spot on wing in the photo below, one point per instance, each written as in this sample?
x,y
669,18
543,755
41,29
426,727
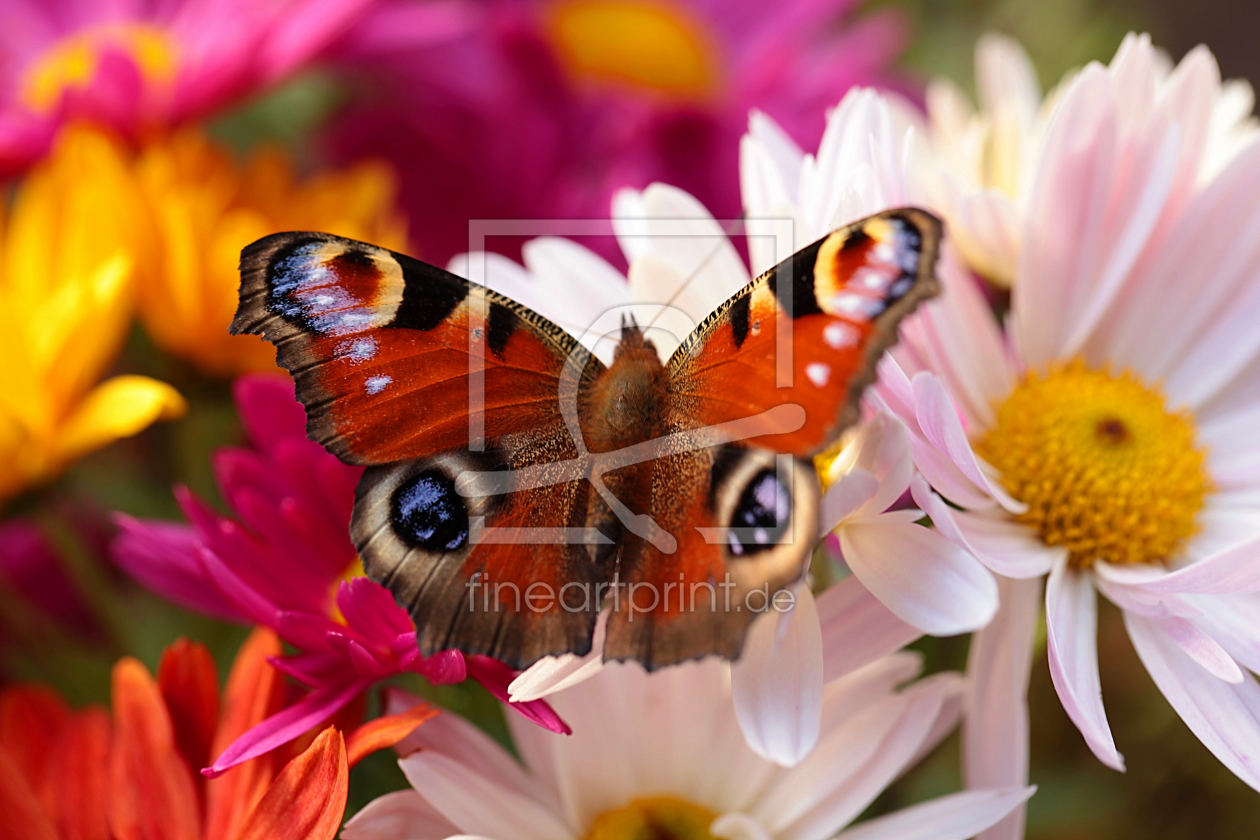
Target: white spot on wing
x,y
376,384
818,373
839,336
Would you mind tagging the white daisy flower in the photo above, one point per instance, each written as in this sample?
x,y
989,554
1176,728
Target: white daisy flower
x,y
662,755
1106,441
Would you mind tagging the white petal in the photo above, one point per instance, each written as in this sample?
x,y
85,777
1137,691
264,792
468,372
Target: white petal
x,y
845,498
630,223
995,732
738,827
947,717
1234,622
857,629
1071,631
1236,569
1201,647
1005,77
1224,716
881,448
477,805
584,281
924,578
556,673
1006,547
653,285
777,683
893,392
954,817
850,695
835,783
403,813
938,418
452,736
686,237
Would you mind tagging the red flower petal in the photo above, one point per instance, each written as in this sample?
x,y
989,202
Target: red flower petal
x,y
79,777
386,731
23,816
308,798
190,686
31,719
254,692
152,795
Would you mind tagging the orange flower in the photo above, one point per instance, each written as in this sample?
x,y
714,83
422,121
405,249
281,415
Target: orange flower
x,y
206,207
67,775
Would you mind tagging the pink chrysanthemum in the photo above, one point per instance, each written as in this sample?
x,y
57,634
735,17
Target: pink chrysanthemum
x,y
140,65
555,104
1104,442
287,563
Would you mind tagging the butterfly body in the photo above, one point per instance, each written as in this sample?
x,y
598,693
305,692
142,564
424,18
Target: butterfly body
x,y
516,486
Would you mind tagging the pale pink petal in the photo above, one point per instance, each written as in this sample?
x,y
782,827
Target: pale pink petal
x,y
995,730
1071,632
452,736
555,673
738,827
1005,546
893,392
954,817
850,492
397,815
957,337
851,694
924,578
938,418
1234,622
1236,569
857,629
947,717
777,682
478,805
1224,716
824,801
1201,647
881,448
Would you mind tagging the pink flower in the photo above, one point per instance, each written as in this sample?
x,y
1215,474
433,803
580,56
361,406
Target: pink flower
x,y
287,563
555,104
1103,443
139,65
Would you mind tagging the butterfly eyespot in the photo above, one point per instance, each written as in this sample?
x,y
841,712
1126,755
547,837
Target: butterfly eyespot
x,y
427,513
762,515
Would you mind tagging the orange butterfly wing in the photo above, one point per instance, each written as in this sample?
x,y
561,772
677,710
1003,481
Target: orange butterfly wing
x,y
802,339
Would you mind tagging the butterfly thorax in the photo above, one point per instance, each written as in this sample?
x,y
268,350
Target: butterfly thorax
x,y
627,400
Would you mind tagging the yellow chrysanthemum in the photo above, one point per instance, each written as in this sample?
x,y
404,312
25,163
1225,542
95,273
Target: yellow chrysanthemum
x,y
205,208
66,289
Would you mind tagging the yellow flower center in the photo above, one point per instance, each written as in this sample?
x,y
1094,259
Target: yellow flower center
x,y
654,818
72,63
1104,466
642,43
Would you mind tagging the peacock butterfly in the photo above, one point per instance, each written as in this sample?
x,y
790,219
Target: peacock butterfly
x,y
516,486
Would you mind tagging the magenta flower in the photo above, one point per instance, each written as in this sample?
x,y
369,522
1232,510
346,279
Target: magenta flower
x,y
553,105
138,66
287,563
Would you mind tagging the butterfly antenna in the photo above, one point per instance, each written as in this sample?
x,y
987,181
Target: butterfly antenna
x,y
736,226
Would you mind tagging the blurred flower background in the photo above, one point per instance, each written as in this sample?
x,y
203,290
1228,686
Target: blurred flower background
x,y
143,450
